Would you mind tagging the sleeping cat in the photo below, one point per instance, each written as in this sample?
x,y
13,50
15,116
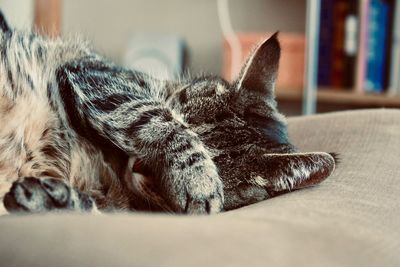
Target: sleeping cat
x,y
81,133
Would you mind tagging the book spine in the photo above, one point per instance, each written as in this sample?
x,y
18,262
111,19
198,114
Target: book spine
x,y
325,43
375,80
390,6
350,45
361,64
339,60
394,85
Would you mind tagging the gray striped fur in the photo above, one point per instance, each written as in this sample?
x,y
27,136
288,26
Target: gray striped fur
x,y
80,133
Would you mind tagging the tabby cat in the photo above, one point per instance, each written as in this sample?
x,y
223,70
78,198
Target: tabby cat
x,y
81,133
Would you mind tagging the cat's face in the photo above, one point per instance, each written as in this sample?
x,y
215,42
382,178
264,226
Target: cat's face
x,y
238,122
240,125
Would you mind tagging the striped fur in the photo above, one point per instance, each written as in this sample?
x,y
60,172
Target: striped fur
x,y
82,133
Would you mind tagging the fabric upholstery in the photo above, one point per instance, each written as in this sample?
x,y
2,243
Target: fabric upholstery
x,y
351,219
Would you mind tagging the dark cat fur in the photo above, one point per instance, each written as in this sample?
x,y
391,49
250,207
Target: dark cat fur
x,y
80,132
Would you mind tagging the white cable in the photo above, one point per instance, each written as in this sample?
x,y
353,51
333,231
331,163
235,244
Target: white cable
x,y
230,36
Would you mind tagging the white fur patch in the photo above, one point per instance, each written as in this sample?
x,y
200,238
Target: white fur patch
x,y
259,181
220,89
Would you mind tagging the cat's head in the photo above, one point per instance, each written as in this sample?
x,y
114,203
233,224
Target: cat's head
x,y
247,136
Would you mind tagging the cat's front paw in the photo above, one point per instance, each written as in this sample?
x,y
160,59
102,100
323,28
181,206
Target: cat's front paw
x,y
30,194
198,191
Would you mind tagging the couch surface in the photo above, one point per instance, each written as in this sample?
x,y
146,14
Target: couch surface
x,y
351,219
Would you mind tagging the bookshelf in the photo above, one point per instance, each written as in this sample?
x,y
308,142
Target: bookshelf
x,y
299,66
311,93
342,97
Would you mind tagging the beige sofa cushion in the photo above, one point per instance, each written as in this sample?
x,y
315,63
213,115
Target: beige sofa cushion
x,y
351,219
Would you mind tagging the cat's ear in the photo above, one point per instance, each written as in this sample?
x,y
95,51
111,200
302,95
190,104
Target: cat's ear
x,y
3,24
288,172
260,71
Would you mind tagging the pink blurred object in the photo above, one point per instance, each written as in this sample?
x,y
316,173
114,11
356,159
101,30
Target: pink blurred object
x,y
361,69
291,68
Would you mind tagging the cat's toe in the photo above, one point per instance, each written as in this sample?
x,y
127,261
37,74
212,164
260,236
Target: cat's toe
x,y
204,196
30,194
195,189
209,205
11,204
26,194
215,204
58,191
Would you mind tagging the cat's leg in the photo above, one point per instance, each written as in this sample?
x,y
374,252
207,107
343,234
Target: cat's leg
x,y
276,174
104,103
30,194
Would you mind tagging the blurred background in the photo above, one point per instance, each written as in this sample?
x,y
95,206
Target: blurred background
x,y
356,41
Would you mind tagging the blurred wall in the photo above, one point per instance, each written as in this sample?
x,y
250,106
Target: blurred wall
x,y
19,13
108,24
